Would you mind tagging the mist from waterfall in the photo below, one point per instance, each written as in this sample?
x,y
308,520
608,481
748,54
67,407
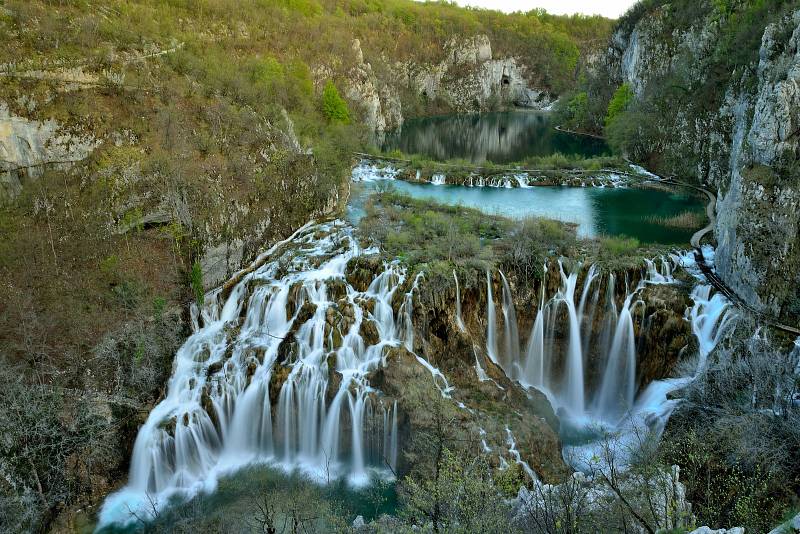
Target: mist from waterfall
x,y
256,381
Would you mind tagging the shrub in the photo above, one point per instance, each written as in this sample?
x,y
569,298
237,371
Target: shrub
x,y
622,98
736,436
196,283
618,246
333,106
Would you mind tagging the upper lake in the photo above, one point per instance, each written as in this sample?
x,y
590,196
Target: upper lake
x,y
500,137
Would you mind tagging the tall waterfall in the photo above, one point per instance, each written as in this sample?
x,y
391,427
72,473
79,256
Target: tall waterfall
x,y
560,370
491,322
459,319
257,380
511,358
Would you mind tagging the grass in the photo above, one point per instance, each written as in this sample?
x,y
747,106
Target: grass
x,y
687,219
440,238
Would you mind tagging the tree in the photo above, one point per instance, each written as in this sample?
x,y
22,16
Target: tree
x,y
622,98
49,448
333,106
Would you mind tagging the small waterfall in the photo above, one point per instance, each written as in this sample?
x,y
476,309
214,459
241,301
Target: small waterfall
x,y
710,318
438,179
281,333
511,360
618,386
573,384
459,320
533,374
491,322
394,439
405,312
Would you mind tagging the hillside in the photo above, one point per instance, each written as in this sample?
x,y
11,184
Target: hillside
x,y
150,149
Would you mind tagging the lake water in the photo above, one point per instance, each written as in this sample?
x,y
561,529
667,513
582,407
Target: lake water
x,y
501,137
596,211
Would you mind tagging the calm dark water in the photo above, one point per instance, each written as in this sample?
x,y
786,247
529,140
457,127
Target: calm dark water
x,y
596,211
501,137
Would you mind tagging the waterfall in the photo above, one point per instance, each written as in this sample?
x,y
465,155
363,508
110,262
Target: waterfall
x,y
533,374
459,320
438,179
406,310
511,359
710,317
250,384
561,374
491,322
573,384
618,386
394,439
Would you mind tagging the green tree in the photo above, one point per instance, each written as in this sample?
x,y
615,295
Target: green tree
x,y
622,98
196,283
333,105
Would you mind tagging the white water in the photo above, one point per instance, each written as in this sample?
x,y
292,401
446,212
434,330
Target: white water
x,y
511,359
561,374
459,320
218,415
438,179
491,322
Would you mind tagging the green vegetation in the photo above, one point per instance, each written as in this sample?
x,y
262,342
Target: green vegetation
x,y
618,246
573,112
619,103
644,127
333,106
440,237
196,283
687,219
423,232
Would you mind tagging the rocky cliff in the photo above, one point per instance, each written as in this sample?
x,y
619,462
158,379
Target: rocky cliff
x,y
467,78
702,112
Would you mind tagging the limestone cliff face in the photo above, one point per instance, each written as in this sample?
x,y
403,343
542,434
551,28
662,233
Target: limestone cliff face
x,y
381,102
28,146
467,78
747,148
470,79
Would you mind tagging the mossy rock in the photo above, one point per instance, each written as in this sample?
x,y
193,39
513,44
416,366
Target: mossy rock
x,y
280,374
369,332
307,311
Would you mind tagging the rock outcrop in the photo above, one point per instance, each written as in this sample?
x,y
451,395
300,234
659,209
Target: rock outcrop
x,y
467,78
747,147
381,103
27,147
470,79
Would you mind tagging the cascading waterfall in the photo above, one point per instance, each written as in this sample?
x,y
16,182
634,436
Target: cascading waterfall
x,y
291,324
511,359
613,350
614,404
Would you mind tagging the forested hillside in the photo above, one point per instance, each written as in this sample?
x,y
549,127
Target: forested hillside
x,y
707,92
151,148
